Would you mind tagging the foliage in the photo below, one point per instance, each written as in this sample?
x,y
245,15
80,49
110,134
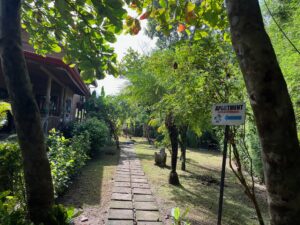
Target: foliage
x,y
180,218
67,129
191,18
97,132
109,109
66,157
4,108
287,15
10,213
54,25
189,90
11,176
252,142
59,215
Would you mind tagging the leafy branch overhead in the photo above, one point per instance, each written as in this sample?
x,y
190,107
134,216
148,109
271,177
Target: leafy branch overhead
x,y
194,18
84,30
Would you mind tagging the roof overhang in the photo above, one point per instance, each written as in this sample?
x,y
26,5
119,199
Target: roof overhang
x,y
72,73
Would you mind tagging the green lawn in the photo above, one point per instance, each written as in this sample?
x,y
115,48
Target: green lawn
x,y
196,192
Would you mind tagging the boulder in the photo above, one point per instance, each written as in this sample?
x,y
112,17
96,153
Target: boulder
x,y
161,157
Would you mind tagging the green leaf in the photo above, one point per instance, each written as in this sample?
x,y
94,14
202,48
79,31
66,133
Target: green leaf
x,y
163,3
190,7
56,48
226,37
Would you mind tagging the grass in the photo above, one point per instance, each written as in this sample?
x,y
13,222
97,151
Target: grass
x,y
199,188
91,189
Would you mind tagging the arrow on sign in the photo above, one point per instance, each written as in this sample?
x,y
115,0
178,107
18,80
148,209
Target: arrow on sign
x,y
233,117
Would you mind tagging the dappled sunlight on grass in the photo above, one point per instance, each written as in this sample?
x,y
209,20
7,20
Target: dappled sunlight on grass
x,y
199,188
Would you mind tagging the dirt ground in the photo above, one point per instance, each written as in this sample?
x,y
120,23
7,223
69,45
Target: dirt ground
x,y
90,191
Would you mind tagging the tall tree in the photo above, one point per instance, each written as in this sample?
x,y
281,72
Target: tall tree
x,y
52,25
271,104
38,182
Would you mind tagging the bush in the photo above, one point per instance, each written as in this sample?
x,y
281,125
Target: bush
x,y
11,176
66,157
10,214
98,133
59,215
67,129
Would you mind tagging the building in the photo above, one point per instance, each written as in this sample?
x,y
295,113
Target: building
x,y
58,88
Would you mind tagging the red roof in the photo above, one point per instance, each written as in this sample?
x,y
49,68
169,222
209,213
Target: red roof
x,y
73,72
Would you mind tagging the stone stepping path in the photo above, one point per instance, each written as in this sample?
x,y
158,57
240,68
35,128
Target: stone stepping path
x,y
132,202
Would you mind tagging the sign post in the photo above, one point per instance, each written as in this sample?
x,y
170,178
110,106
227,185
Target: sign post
x,y
226,114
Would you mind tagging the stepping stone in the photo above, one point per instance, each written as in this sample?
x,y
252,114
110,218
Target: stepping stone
x,y
140,185
122,184
143,198
121,205
149,223
140,180
138,177
137,173
147,206
122,179
121,197
123,170
122,173
126,190
122,176
142,191
119,222
120,214
147,216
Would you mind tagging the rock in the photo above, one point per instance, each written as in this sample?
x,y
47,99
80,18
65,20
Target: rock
x,y
84,219
160,158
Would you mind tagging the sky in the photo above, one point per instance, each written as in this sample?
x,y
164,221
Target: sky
x,y
141,43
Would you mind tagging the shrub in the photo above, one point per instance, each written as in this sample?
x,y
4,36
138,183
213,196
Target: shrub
x,y
67,129
59,215
66,157
11,176
98,133
10,214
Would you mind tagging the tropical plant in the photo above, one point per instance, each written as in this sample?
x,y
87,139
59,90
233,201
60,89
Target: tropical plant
x,y
10,213
180,217
97,131
66,157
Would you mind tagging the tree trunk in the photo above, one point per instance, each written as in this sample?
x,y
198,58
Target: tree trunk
x,y
183,144
114,132
173,134
38,182
272,109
